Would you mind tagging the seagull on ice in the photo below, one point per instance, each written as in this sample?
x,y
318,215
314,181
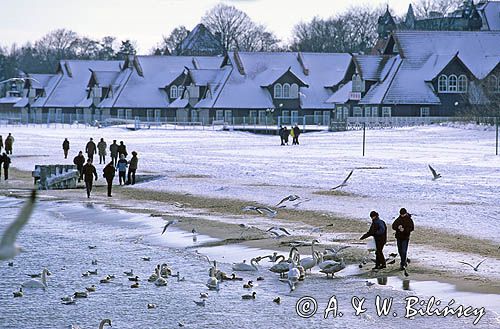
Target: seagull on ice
x,y
344,183
292,197
261,210
170,222
475,268
8,248
434,173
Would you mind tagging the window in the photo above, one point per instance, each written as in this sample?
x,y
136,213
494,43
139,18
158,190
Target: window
x,y
326,118
59,114
443,83
294,117
286,90
120,114
253,116
173,92
285,117
386,111
294,91
157,115
219,115
346,112
462,84
149,115
368,111
357,111
228,116
493,84
194,116
338,113
452,83
128,114
317,116
262,116
180,91
425,111
374,111
278,91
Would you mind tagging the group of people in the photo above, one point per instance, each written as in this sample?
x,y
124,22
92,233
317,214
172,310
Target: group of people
x,y
403,226
285,134
88,171
4,158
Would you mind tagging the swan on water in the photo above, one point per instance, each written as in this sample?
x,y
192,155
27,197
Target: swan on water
x,y
213,283
37,284
8,247
134,285
161,282
246,267
80,294
91,288
103,322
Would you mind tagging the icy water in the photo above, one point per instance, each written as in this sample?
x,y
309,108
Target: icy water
x,y
58,235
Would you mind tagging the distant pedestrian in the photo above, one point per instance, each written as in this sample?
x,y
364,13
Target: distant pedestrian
x,y
280,132
286,133
102,146
89,173
292,134
6,164
296,133
132,168
65,147
403,225
79,161
9,143
109,174
1,143
91,149
378,230
122,149
122,169
113,150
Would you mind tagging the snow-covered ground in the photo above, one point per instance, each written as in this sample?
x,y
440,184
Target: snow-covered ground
x,y
392,174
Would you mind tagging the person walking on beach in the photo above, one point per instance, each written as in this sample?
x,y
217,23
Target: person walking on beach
x,y
5,161
378,230
109,174
79,161
113,150
9,142
65,147
91,149
132,168
122,149
101,146
296,133
403,225
122,169
89,173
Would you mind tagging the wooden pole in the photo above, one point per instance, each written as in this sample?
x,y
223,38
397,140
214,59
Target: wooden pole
x,y
364,134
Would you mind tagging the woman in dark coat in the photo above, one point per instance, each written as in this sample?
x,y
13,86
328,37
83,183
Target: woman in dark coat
x,y
109,174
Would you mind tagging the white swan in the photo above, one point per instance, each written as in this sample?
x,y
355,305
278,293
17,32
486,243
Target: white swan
x,y
331,267
153,277
37,284
246,267
8,247
161,282
213,283
165,271
309,262
293,276
103,322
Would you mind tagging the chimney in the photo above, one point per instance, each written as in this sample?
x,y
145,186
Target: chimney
x,y
300,58
239,63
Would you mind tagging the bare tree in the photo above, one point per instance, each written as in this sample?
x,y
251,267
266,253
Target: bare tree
x,y
423,8
170,43
237,30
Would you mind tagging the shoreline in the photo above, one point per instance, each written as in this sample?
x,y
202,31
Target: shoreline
x,y
198,210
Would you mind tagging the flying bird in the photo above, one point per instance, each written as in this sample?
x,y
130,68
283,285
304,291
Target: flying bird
x,y
475,268
344,183
261,210
277,228
292,197
170,222
434,173
8,248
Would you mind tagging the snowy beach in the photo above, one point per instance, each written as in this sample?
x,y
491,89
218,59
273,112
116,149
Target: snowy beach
x,y
241,168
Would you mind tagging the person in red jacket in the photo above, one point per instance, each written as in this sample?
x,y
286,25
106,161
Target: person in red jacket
x,y
403,225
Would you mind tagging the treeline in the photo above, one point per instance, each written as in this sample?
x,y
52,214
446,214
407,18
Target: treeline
x,y
355,30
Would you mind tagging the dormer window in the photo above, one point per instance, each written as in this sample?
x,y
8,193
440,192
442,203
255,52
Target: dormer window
x,y
286,90
442,83
452,83
278,91
174,92
358,85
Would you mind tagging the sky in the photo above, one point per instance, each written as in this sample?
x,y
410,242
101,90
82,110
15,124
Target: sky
x,y
145,21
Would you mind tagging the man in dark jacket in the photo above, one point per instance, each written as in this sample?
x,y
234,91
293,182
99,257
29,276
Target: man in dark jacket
x,y
403,225
91,149
102,146
132,168
109,174
89,173
296,133
378,230
79,161
286,133
9,142
65,147
122,149
113,150
280,132
6,164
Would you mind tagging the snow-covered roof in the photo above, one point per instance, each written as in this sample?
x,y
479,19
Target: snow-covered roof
x,y
9,100
244,86
145,89
179,103
39,81
370,67
105,78
490,14
341,96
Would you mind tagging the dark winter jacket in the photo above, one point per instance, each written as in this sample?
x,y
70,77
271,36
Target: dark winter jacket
x,y
296,131
79,160
133,163
113,149
9,141
122,149
65,144
6,161
406,224
101,146
109,171
90,148
378,230
89,172
286,133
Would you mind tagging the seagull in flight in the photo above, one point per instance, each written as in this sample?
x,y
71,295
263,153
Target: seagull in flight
x,y
292,197
344,183
275,230
170,222
475,268
261,210
434,173
8,248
